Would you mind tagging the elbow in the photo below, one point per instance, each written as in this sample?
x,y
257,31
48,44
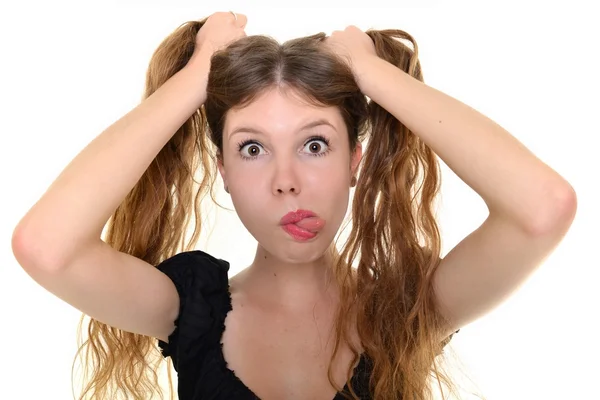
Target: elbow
x,y
558,214
32,254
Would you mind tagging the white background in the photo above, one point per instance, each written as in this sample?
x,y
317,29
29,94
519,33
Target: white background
x,y
69,71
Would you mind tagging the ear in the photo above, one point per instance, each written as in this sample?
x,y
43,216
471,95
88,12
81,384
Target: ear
x,y
356,157
221,167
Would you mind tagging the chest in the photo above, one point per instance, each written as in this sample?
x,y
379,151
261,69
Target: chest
x,y
283,357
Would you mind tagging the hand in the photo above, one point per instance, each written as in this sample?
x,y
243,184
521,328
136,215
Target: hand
x,y
354,46
219,30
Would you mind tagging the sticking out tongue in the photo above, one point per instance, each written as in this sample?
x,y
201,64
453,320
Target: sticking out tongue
x,y
312,224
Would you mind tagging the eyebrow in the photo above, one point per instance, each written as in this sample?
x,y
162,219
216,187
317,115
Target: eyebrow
x,y
312,124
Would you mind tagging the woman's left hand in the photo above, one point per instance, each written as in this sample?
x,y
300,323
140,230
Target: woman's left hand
x,y
354,46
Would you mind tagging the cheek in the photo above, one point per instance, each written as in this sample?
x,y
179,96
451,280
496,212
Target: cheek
x,y
331,196
249,195
252,213
339,200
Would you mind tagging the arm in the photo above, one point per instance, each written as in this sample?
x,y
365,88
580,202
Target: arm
x,y
76,207
58,242
530,206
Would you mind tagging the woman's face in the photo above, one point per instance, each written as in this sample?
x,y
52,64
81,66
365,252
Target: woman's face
x,y
281,155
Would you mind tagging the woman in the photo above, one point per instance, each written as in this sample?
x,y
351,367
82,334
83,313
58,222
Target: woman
x,y
285,126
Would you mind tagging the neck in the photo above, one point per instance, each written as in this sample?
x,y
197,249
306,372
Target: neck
x,y
292,286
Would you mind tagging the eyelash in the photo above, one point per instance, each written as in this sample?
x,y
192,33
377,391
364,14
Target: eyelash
x,y
244,143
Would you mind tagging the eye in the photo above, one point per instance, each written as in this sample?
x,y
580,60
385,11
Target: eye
x,y
317,146
250,149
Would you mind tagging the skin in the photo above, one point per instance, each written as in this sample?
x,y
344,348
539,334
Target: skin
x,y
286,175
58,242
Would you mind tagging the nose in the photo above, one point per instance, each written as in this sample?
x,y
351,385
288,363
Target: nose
x,y
285,177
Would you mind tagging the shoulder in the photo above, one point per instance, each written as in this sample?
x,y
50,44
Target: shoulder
x,y
195,268
193,259
202,283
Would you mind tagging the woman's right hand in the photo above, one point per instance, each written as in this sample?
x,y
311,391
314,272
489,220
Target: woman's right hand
x,y
219,30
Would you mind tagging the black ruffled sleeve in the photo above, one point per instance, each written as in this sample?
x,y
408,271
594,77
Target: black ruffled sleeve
x,y
202,284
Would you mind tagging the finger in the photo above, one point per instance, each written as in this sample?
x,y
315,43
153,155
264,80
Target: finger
x,y
242,20
239,20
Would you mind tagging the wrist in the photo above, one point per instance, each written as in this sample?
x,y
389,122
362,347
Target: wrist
x,y
369,68
200,59
197,70
363,67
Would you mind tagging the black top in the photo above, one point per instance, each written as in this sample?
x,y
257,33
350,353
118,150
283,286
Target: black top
x,y
195,345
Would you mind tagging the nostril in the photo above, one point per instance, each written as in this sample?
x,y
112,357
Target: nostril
x,y
291,190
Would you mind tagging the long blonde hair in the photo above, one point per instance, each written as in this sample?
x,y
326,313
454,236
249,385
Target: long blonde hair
x,y
393,246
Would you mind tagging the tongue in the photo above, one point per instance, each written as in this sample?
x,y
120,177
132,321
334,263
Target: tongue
x,y
311,224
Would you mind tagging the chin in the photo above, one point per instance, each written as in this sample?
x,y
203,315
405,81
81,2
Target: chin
x,y
299,257
297,252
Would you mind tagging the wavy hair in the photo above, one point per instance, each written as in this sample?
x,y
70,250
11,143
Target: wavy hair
x,y
385,268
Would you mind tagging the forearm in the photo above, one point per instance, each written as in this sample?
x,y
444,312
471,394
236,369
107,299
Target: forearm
x,y
80,201
511,180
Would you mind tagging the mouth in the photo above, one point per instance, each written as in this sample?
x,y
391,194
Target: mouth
x,y
302,225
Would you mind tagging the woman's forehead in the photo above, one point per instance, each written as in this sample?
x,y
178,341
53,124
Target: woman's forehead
x,y
277,112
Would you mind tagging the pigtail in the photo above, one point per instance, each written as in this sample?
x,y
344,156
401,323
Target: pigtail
x,y
151,224
396,244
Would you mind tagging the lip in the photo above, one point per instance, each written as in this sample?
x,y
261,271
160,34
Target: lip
x,y
297,233
295,216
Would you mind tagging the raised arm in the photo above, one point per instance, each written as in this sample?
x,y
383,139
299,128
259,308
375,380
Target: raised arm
x,y
58,242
